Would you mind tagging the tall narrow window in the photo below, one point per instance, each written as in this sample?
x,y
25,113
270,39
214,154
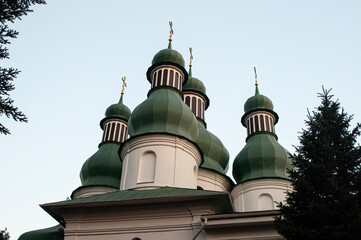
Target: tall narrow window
x,y
251,120
117,136
194,105
199,108
188,101
267,123
171,75
147,164
112,132
125,133
248,128
159,79
122,131
256,123
154,79
108,131
271,122
165,77
262,122
203,110
180,83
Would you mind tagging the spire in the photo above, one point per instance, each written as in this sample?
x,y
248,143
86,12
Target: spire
x,y
171,31
255,76
122,93
190,63
256,81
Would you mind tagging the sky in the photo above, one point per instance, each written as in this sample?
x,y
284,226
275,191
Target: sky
x,y
72,55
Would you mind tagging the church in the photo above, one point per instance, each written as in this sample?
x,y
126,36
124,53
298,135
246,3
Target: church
x,y
159,173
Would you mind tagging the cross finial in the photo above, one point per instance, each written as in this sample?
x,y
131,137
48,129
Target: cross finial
x,y
191,57
171,30
255,76
124,84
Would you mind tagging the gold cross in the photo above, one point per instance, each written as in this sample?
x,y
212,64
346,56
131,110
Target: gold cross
x,y
124,84
190,62
255,75
171,30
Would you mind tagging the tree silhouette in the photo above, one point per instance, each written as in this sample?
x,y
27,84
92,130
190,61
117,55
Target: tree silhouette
x,y
325,203
10,10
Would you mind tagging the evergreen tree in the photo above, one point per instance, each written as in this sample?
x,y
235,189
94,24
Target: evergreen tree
x,y
4,234
325,201
10,10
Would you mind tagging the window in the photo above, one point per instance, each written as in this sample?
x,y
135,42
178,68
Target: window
x,y
171,74
147,163
256,123
262,122
165,77
159,80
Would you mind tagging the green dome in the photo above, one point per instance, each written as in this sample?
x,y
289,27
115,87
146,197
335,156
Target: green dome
x,y
258,101
103,167
52,233
194,84
164,112
118,110
262,157
168,55
215,155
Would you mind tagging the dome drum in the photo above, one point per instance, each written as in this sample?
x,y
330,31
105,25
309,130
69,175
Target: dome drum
x,y
114,130
260,121
196,103
167,75
159,160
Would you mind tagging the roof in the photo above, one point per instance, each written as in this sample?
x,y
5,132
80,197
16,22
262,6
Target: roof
x,y
52,233
139,197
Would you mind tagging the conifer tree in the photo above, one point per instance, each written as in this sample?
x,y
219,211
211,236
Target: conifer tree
x,y
4,234
10,10
325,201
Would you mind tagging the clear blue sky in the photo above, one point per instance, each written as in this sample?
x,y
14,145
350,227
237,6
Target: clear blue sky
x,y
72,55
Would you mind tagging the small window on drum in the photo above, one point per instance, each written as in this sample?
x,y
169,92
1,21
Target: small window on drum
x,y
165,77
136,239
159,79
256,123
171,75
262,122
188,101
199,188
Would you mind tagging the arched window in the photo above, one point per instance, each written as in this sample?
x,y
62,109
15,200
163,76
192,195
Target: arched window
x,y
265,202
165,77
147,165
188,101
262,122
171,75
159,80
256,123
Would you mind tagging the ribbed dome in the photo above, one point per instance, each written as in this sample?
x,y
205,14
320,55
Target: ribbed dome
x,y
262,157
168,55
103,167
118,110
194,84
216,156
258,101
164,112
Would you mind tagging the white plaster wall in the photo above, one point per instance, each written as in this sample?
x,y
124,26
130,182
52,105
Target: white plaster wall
x,y
260,194
212,181
176,162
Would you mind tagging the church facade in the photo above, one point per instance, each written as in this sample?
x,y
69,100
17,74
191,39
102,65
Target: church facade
x,y
159,173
